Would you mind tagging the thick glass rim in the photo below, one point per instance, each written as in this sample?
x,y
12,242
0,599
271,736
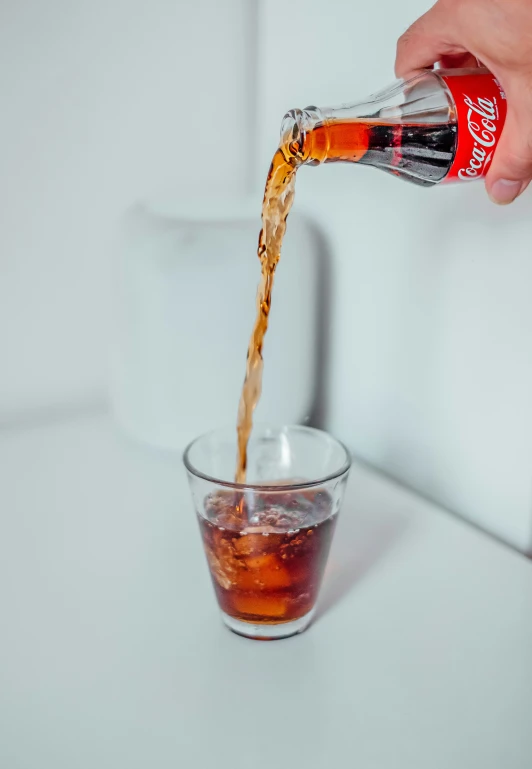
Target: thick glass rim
x,y
342,470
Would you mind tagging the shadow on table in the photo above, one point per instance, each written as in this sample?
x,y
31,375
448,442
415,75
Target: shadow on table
x,y
361,542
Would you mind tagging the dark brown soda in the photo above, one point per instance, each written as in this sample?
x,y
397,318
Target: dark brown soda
x,y
277,202
269,570
423,152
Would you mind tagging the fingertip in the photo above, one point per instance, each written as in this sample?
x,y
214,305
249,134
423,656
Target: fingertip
x,y
399,65
505,191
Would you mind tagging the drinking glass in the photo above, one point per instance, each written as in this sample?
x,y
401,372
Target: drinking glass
x,y
267,541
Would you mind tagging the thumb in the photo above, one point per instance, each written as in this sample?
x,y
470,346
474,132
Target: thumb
x,y
511,170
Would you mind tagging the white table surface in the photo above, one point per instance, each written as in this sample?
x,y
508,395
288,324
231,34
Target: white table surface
x,y
112,654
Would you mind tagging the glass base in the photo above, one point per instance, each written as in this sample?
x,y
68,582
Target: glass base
x,y
268,632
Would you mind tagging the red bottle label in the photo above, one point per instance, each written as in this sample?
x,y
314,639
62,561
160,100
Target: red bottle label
x,y
480,105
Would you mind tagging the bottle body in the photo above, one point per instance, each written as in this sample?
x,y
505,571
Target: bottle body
x,y
439,126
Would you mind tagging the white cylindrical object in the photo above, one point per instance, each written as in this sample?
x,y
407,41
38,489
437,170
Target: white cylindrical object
x,y
186,282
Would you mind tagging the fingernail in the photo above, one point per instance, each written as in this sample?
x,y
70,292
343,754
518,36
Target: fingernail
x,y
504,191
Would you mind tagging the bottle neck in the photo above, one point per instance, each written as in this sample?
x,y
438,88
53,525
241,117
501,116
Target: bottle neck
x,y
407,129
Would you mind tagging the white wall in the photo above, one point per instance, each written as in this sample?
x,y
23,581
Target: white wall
x,y
101,102
431,376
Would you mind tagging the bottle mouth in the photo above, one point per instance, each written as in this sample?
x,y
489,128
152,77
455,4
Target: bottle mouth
x,y
297,123
292,133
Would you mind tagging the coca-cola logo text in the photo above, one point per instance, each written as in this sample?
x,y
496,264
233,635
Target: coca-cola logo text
x,y
480,108
482,120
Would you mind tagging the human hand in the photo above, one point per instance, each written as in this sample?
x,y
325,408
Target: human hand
x,y
498,33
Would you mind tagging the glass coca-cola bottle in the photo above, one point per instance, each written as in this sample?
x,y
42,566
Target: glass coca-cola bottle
x,y
441,125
